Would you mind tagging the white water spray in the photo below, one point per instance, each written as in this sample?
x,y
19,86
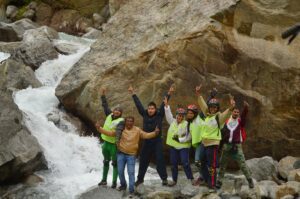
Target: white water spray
x,y
75,163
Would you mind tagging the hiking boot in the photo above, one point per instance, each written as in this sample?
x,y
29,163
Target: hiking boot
x,y
114,185
218,184
138,182
122,188
164,182
250,183
172,184
102,183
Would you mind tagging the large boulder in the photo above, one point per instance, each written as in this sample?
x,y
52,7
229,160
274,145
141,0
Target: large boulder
x,y
8,34
189,43
43,14
21,26
21,154
264,168
37,47
115,5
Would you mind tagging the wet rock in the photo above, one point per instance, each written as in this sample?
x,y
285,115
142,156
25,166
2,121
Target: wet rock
x,y
262,168
54,117
92,33
36,48
66,48
101,192
33,180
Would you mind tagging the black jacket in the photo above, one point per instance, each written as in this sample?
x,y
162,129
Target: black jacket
x,y
150,122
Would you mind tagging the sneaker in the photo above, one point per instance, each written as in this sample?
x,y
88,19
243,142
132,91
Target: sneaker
x,y
131,195
138,182
121,188
250,183
165,183
114,185
172,184
102,183
212,190
218,184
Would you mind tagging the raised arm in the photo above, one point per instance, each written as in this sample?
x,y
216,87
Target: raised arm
x,y
202,104
244,114
137,101
107,110
167,96
226,114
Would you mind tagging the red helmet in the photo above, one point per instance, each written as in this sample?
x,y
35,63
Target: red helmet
x,y
180,111
192,107
213,102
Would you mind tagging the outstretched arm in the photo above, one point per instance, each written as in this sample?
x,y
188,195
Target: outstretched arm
x,y
107,110
226,114
202,104
167,96
137,101
168,112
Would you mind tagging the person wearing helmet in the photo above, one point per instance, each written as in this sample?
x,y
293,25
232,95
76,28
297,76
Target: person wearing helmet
x,y
211,136
152,118
109,149
179,141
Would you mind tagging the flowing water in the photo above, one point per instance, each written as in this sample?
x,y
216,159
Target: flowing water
x,y
74,162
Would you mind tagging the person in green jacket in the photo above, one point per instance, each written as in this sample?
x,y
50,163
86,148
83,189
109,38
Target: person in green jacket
x,y
179,141
109,148
211,136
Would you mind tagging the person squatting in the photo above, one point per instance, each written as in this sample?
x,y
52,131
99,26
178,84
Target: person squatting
x,y
206,129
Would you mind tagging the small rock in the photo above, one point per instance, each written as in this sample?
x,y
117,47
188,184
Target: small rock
x,y
32,5
294,175
286,165
33,180
29,14
82,24
66,48
290,188
53,117
11,11
98,20
92,33
267,188
248,193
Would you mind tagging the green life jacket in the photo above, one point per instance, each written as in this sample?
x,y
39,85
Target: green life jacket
x,y
110,125
211,129
174,129
196,131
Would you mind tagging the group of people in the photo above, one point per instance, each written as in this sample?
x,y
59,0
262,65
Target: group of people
x,y
206,130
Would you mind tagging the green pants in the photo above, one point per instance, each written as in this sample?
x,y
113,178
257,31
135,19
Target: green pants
x,y
235,154
109,152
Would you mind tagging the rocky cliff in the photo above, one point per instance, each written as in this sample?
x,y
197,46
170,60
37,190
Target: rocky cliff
x,y
232,45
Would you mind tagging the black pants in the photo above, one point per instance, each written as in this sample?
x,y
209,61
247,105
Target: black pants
x,y
149,148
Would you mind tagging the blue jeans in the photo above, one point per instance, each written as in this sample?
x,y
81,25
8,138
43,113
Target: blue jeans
x,y
124,159
183,155
198,151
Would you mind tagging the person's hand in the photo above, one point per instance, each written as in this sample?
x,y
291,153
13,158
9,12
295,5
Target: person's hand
x,y
214,92
103,91
171,89
175,138
232,102
97,125
166,101
198,89
156,131
131,90
246,104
